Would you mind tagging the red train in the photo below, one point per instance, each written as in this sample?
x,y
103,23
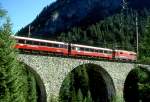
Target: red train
x,y
31,44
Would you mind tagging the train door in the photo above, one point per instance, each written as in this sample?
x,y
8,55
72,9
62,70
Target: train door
x,y
113,53
69,48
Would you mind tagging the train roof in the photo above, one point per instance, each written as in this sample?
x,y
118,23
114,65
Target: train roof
x,y
38,40
126,51
97,48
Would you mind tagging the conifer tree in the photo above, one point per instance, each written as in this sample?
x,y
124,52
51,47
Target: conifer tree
x,y
12,80
88,98
73,95
32,92
79,95
144,44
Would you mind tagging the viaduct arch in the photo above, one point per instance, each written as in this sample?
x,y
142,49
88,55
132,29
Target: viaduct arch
x,y
90,78
39,83
54,70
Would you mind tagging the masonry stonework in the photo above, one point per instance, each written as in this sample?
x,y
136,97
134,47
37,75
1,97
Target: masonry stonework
x,y
53,71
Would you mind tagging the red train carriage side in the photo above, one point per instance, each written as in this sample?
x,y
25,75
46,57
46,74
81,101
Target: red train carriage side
x,y
31,44
83,50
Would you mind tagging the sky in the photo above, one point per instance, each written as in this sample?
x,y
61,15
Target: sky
x,y
23,12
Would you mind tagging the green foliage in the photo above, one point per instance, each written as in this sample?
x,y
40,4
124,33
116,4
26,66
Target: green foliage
x,y
143,83
15,84
75,87
32,90
2,12
79,96
118,98
144,44
116,31
88,98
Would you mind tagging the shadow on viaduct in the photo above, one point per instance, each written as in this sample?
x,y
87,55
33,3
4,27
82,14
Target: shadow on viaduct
x,y
108,78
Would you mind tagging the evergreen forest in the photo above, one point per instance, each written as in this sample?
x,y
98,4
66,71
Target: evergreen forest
x,y
119,31
17,84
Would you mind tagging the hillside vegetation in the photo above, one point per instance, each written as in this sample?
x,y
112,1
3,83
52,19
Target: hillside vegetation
x,y
116,32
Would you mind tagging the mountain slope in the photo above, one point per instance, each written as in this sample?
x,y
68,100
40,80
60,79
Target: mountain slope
x,y
64,14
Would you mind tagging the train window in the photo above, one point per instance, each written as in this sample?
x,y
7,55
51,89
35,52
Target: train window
x,y
62,46
77,48
28,42
42,43
86,49
82,49
65,46
96,51
55,45
105,51
91,50
109,52
49,44
35,43
20,41
101,51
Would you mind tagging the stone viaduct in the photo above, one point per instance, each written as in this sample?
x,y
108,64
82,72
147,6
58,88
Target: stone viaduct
x,y
51,71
